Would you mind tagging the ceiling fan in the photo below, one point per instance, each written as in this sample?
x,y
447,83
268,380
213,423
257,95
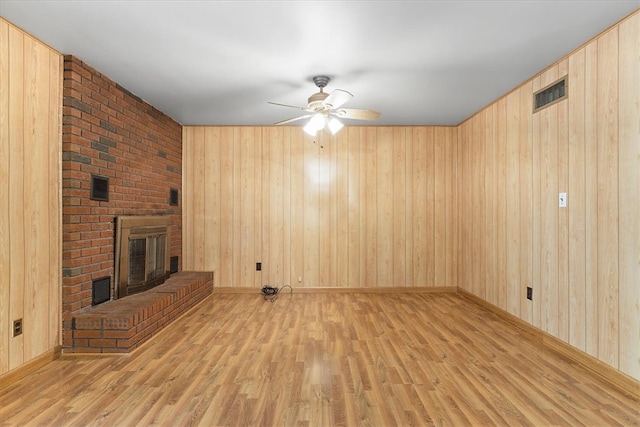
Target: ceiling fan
x,y
323,109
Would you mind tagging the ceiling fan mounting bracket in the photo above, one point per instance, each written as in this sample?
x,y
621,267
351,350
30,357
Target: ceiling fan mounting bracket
x,y
321,81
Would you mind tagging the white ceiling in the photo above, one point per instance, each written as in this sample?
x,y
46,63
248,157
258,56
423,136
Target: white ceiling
x,y
219,62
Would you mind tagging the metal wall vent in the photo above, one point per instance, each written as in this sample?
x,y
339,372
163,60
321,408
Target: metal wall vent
x,y
551,94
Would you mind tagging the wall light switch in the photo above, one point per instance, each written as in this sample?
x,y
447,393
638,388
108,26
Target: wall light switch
x,y
562,200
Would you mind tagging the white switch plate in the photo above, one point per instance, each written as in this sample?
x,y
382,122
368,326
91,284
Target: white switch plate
x,y
562,200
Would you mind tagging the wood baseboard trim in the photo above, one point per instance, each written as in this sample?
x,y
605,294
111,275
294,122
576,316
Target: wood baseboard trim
x,y
337,290
601,370
30,367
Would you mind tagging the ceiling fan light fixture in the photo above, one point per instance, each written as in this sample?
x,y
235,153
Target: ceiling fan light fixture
x,y
315,124
334,125
310,130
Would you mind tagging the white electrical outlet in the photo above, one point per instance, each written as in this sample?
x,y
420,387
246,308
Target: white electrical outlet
x,y
562,200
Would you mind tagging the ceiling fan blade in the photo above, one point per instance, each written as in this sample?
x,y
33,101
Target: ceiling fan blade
x,y
337,98
287,105
357,114
294,119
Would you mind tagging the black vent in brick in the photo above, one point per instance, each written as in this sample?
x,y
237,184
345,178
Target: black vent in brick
x,y
100,290
99,188
173,197
173,264
551,94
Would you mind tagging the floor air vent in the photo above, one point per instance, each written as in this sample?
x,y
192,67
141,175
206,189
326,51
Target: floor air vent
x,y
551,94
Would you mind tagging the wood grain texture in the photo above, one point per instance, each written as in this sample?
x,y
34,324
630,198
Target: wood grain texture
x,y
577,189
5,249
629,188
581,261
323,359
30,181
526,176
608,197
372,206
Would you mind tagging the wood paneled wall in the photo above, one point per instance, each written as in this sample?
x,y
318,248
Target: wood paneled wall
x,y
370,207
30,212
582,261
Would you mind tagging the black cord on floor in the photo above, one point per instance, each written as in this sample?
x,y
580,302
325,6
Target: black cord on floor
x,y
271,293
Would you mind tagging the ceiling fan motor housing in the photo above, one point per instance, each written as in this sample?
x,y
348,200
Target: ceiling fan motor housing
x,y
315,100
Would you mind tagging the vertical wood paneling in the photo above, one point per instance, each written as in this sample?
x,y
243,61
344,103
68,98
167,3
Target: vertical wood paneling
x,y
563,214
512,189
370,211
465,279
199,201
5,229
189,143
324,229
17,104
526,199
289,277
227,273
354,144
249,177
332,240
341,243
489,261
312,179
429,237
36,205
629,199
273,211
500,202
451,207
478,160
384,202
399,207
337,211
419,202
298,142
548,197
439,206
362,225
257,156
211,201
576,189
591,196
582,261
607,137
30,212
536,154
54,114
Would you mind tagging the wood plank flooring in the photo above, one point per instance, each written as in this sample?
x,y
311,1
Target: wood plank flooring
x,y
322,360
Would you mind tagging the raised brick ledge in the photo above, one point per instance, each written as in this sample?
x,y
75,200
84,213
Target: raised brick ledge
x,y
120,326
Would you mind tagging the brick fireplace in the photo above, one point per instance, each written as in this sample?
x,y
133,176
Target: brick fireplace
x,y
121,157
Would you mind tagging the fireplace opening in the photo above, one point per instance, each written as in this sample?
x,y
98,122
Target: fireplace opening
x,y
142,253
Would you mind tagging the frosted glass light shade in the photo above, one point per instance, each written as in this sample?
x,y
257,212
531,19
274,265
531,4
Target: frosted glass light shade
x,y
334,125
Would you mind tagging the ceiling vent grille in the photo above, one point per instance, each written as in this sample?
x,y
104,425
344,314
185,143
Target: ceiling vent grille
x,y
551,94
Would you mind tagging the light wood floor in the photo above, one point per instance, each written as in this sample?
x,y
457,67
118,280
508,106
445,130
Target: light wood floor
x,y
322,360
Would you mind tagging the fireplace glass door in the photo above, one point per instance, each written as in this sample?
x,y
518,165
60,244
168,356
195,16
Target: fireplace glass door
x,y
142,245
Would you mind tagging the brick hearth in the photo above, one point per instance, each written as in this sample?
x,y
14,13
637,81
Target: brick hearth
x,y
122,325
